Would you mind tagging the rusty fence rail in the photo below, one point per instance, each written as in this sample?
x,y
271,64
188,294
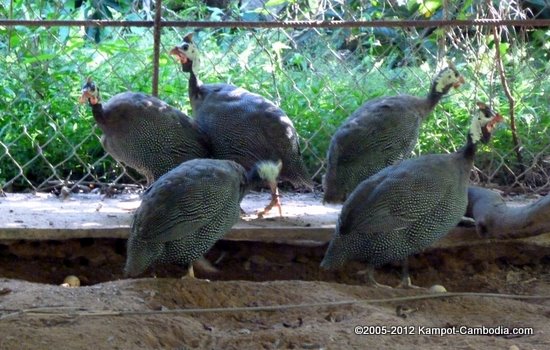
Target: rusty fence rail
x,y
318,71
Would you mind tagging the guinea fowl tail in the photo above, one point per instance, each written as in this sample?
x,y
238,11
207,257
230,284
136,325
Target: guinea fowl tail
x,y
333,196
303,182
298,176
333,258
136,264
332,193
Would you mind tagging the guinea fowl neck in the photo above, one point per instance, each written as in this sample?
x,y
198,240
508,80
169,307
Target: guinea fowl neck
x,y
434,97
253,180
194,85
250,179
97,112
469,149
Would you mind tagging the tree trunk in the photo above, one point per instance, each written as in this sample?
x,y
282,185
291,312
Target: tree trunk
x,y
495,219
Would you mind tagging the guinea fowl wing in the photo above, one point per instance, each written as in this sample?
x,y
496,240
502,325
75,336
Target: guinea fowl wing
x,y
277,127
219,99
212,193
350,140
193,132
395,198
381,130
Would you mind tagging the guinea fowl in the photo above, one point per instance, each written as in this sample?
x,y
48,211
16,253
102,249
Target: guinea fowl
x,y
243,126
188,209
144,132
406,207
380,133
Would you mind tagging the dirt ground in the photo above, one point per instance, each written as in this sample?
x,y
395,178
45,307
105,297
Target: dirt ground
x,y
253,274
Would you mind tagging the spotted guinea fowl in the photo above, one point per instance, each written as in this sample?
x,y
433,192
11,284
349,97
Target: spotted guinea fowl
x,y
381,132
144,132
406,207
243,126
188,209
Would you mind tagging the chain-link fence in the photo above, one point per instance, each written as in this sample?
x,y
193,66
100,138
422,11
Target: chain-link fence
x,y
317,72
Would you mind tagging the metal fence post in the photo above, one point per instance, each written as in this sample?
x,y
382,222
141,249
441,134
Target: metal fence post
x,y
156,46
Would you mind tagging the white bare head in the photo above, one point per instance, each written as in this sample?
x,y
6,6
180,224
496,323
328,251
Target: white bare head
x,y
446,79
90,92
269,171
483,123
188,54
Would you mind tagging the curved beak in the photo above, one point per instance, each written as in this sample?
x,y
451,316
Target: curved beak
x,y
86,95
180,54
496,119
459,82
89,94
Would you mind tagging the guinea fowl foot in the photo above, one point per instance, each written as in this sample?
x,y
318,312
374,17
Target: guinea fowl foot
x,y
275,202
407,284
205,267
373,283
405,278
467,222
190,273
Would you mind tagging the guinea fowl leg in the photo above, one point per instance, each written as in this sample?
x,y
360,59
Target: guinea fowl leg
x,y
405,278
467,222
275,201
205,267
190,272
370,278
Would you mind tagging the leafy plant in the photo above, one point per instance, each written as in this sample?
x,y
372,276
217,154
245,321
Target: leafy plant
x,y
318,77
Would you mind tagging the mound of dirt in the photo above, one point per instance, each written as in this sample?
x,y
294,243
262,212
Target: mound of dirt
x,y
154,317
154,313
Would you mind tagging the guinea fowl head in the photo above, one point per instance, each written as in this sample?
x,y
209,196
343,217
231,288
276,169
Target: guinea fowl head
x,y
481,129
484,123
90,93
187,53
264,172
446,79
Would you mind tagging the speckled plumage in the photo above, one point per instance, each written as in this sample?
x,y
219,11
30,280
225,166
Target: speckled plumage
x,y
404,208
399,211
243,126
381,132
147,134
186,211
246,128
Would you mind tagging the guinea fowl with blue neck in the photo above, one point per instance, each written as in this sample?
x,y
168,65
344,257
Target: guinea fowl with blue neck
x,y
406,207
381,132
243,126
144,132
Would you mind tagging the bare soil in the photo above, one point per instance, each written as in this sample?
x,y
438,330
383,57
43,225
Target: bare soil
x,y
261,274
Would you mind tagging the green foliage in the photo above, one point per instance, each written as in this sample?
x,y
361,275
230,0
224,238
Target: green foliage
x,y
318,79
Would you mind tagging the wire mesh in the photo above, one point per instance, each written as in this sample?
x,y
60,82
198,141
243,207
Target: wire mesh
x,y
318,76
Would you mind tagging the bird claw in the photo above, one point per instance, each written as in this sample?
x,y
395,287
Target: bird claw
x,y
275,202
378,285
407,284
467,222
190,273
370,281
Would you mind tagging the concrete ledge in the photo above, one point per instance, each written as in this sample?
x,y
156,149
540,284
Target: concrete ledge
x,y
306,220
43,216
